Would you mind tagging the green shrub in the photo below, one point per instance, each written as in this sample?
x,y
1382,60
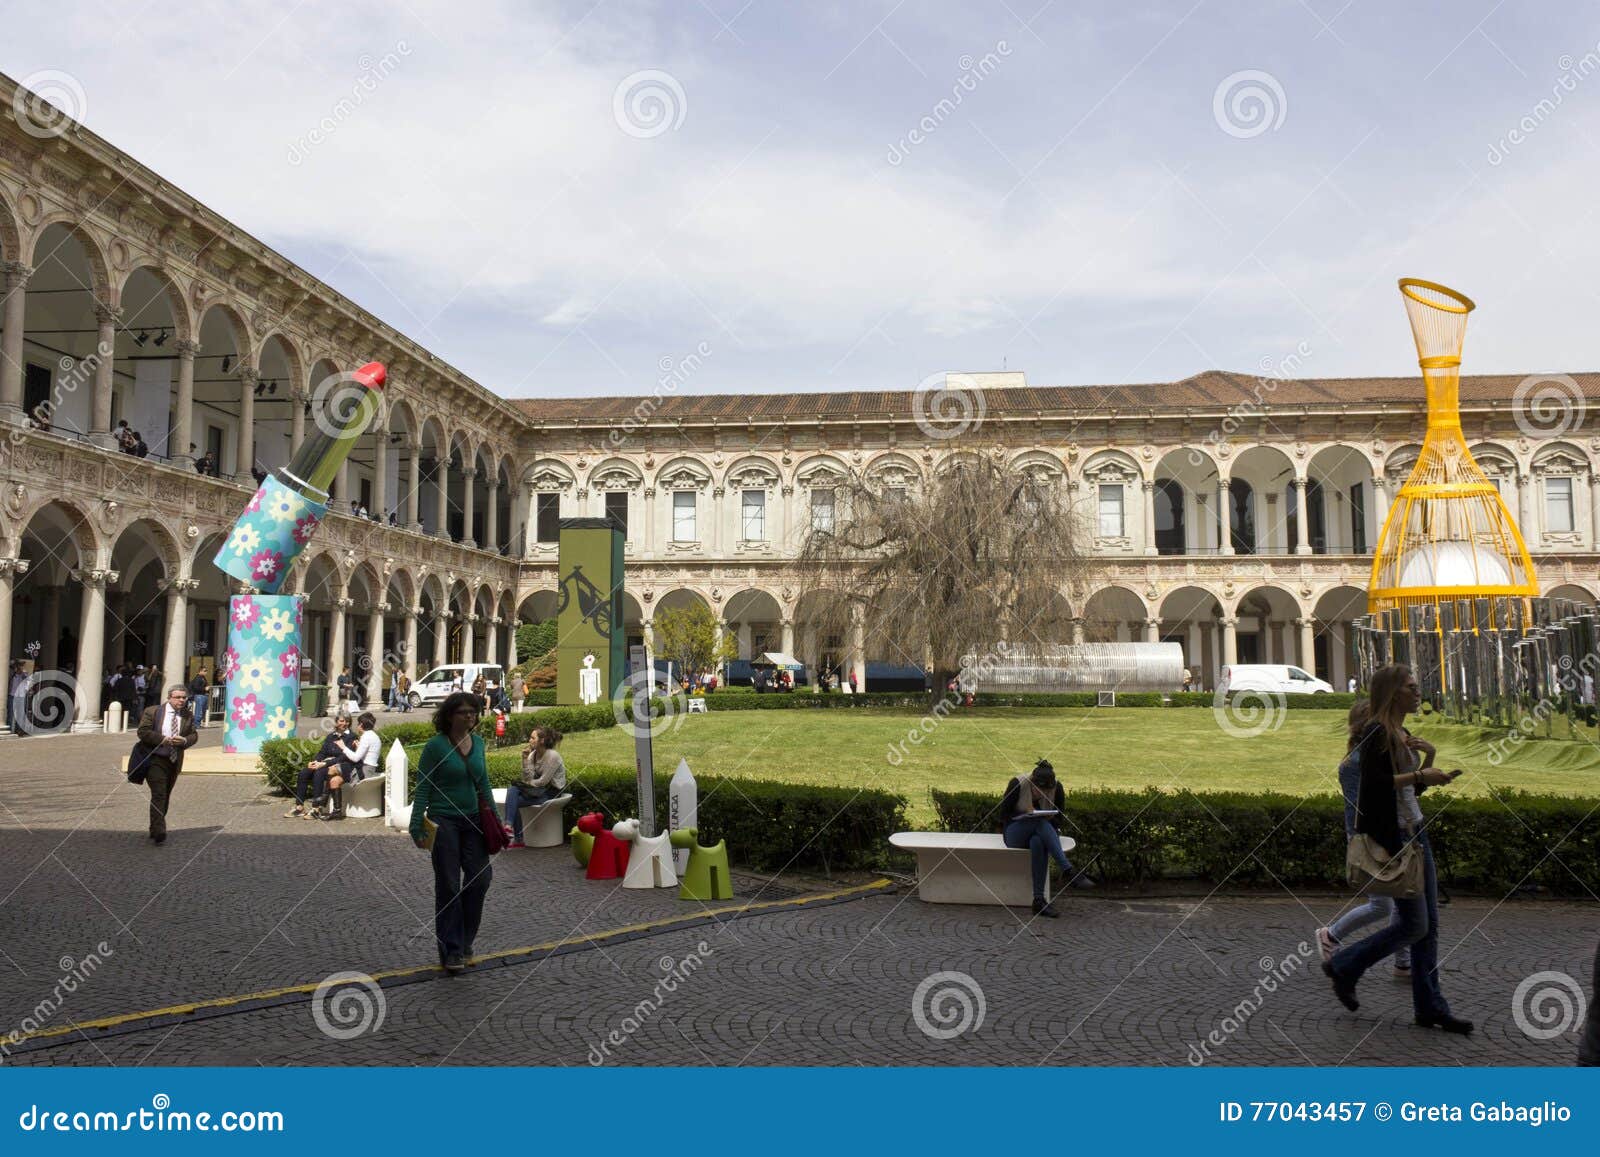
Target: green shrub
x,y
536,640
1237,838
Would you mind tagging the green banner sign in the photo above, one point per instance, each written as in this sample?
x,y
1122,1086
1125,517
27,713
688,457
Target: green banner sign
x,y
590,658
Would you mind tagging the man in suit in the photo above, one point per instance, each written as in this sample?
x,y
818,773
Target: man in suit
x,y
167,731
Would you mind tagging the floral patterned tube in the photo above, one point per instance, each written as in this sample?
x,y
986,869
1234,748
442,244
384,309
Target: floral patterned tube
x,y
261,670
277,524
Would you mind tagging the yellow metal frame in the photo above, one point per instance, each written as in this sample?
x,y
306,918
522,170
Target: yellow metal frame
x,y
1447,488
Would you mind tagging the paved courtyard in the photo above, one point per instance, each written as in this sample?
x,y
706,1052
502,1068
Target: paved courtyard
x,y
241,902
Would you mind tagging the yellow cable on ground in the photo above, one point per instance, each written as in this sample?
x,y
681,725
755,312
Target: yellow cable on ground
x,y
421,969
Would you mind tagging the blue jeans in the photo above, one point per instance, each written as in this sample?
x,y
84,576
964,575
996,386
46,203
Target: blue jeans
x,y
200,700
1416,923
519,796
1043,842
461,876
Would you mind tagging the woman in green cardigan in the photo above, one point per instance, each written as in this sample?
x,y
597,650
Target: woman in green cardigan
x,y
452,780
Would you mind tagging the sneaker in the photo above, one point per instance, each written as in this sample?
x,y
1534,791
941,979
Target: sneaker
x,y
295,813
1042,908
453,963
516,844
1326,944
1402,972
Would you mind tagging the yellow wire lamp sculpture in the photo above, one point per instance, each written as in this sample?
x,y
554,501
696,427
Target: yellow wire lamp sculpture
x,y
1448,535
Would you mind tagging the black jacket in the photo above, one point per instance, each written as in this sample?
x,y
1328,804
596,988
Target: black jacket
x,y
1012,803
1377,809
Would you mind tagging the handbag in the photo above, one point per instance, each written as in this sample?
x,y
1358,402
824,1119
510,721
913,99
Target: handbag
x,y
1371,868
494,831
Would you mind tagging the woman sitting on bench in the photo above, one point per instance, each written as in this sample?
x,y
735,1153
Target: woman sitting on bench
x,y
544,777
1027,795
326,772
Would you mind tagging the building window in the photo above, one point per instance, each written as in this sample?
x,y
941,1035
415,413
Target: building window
x,y
617,510
822,510
547,518
683,516
1111,522
753,516
1558,517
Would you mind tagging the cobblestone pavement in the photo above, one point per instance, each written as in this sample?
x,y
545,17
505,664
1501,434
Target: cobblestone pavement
x,y
241,900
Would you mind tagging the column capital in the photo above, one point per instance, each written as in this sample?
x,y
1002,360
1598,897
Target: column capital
x,y
186,348
1149,485
1152,623
15,273
381,608
1230,620
1304,621
107,314
414,612
179,586
344,604
95,577
14,566
248,375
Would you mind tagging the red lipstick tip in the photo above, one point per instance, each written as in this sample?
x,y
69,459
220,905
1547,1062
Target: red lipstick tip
x,y
372,375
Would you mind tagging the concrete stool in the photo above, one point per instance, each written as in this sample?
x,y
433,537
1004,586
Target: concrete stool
x,y
707,875
542,829
609,858
650,862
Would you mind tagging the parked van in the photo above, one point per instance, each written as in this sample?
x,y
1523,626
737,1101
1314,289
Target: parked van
x,y
1277,678
439,682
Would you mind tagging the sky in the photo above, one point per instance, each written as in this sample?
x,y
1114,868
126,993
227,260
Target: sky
x,y
564,199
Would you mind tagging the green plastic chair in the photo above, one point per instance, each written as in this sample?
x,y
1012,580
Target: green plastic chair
x,y
582,845
707,875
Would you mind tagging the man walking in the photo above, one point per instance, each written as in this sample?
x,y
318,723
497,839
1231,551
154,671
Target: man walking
x,y
199,695
166,731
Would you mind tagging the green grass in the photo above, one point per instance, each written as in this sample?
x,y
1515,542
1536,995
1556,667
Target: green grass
x,y
1123,747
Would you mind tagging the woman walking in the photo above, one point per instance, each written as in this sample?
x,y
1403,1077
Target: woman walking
x,y
452,783
1386,767
1377,908
544,777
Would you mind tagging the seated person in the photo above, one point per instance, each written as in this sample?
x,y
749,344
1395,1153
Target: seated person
x,y
544,777
1041,835
361,760
326,772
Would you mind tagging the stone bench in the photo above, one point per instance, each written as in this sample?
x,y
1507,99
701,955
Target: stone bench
x,y
971,868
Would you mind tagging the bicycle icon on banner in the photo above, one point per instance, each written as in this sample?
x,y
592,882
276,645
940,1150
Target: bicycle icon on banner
x,y
593,602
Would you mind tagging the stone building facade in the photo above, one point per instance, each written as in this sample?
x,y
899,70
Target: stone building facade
x,y
1230,513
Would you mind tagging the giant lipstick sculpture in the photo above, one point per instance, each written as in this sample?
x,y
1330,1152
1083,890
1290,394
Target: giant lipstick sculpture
x,y
261,666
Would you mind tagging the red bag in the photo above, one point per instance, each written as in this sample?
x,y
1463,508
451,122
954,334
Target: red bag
x,y
495,832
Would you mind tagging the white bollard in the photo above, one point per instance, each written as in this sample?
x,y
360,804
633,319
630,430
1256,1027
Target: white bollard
x,y
396,782
683,809
113,723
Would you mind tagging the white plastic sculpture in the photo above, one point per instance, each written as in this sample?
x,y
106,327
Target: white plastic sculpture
x,y
683,809
396,785
649,860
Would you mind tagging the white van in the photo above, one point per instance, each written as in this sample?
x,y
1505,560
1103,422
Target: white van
x,y
439,682
1277,678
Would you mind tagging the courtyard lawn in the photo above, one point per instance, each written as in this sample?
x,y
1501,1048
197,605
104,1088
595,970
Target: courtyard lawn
x,y
1123,747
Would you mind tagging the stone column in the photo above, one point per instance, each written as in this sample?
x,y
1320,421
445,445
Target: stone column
x,y
91,646
378,676
1230,641
716,513
1302,526
1201,527
649,513
1308,645
441,638
409,659
718,635
105,353
380,476
14,282
1380,500
787,627
1149,517
1152,630
441,506
297,419
336,637
1594,510
183,420
786,530
245,448
467,624
10,568
491,518
469,506
1077,630
414,487
1192,651
1224,518
1524,518
648,626
117,608
175,652
858,650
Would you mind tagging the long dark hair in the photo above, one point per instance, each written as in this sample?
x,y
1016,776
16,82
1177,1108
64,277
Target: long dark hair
x,y
447,709
1387,683
1360,715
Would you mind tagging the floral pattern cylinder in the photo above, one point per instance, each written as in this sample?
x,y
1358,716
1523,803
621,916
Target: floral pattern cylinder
x,y
275,527
261,670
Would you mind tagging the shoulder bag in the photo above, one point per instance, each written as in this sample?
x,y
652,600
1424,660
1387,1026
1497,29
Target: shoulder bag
x,y
1372,869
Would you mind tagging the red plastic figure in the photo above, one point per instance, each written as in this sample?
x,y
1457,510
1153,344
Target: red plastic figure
x,y
609,859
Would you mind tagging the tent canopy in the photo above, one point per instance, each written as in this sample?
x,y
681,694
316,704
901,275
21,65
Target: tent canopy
x,y
777,659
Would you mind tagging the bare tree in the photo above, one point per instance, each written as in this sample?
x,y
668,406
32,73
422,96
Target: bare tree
x,y
943,572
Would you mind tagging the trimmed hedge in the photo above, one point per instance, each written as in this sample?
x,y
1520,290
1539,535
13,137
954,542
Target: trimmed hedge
x,y
1237,838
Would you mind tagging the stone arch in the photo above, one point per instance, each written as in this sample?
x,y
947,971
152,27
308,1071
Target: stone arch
x,y
10,231
752,472
1265,631
821,471
182,319
683,472
1334,641
1191,616
164,542
238,331
1573,592
94,252
894,468
755,617
549,474
1341,505
1042,465
1259,515
1114,613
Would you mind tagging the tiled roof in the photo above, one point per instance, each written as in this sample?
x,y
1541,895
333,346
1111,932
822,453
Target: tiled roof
x,y
1208,391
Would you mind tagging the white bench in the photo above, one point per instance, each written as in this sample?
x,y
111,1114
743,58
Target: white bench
x,y
972,868
543,828
696,706
364,800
